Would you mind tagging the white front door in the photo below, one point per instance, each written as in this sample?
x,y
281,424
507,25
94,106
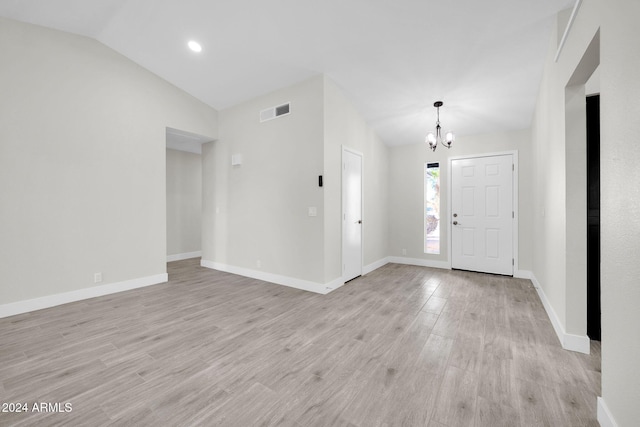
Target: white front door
x,y
351,215
482,214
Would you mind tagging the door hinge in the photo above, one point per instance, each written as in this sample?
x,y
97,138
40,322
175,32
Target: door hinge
x,y
513,214
513,167
513,262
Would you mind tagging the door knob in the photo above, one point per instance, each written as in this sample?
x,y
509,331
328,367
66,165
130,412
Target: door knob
x,y
455,222
359,221
455,215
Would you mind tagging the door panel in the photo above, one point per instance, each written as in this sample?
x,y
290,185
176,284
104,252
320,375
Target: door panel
x,y
492,201
351,215
493,243
468,197
468,241
482,208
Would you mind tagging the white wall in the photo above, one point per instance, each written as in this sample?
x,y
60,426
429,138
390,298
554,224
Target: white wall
x,y
345,127
406,190
559,188
560,169
553,143
258,211
184,202
620,204
82,162
576,208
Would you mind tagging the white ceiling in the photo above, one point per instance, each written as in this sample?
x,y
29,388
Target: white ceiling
x,y
392,58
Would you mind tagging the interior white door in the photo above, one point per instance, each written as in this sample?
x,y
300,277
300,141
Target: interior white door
x,y
351,215
482,214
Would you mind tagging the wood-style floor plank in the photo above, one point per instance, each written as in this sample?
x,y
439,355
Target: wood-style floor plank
x,y
401,346
456,403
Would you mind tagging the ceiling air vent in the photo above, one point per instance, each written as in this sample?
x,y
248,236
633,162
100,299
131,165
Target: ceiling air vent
x,y
274,112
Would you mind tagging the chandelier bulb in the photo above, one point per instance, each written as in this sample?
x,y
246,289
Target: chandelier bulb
x,y
450,137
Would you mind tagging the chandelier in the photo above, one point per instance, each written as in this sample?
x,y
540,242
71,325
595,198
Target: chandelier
x,y
434,139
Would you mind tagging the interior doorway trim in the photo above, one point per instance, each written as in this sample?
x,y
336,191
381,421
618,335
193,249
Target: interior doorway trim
x,y
515,223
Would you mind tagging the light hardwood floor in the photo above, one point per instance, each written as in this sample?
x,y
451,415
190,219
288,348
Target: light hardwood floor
x,y
401,346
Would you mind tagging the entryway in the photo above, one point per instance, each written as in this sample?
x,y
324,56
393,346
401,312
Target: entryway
x,y
482,214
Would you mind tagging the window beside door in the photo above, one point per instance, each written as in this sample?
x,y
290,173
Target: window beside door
x,y
432,208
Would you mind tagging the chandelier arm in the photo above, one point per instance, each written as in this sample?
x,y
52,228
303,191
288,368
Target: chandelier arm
x,y
438,135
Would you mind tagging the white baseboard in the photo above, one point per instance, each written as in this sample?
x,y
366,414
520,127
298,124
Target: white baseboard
x,y
605,418
292,282
186,255
420,262
334,284
26,306
523,274
306,285
375,265
578,343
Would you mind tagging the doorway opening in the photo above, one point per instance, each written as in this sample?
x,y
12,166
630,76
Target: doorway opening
x,y
183,194
593,217
582,238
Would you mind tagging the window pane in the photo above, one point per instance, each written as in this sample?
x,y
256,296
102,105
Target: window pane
x,y
432,208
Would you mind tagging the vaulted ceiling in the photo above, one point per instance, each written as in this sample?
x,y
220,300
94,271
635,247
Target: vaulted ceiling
x,y
392,59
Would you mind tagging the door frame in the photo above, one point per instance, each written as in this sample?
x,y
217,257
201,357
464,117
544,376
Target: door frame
x,y
342,260
516,214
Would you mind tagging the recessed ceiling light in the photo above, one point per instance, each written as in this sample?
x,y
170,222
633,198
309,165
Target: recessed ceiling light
x,y
195,46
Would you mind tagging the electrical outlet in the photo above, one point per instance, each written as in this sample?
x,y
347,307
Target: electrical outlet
x,y
97,278
404,251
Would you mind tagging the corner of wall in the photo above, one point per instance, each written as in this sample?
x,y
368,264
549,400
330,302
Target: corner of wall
x,y
605,417
577,343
